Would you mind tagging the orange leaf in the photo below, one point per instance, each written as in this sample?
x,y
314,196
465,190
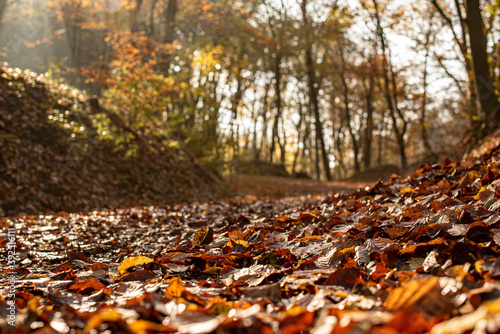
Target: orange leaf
x,y
406,297
87,287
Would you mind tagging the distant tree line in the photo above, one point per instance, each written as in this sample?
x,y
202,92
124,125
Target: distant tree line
x,y
325,87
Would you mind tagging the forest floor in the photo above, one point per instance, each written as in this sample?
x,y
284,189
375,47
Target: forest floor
x,y
279,187
415,255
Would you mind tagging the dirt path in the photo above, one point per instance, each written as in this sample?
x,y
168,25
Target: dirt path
x,y
277,187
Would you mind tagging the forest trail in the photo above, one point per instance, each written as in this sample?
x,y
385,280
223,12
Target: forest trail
x,y
423,247
279,187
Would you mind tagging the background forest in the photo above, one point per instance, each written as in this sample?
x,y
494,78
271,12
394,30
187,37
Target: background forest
x,y
325,87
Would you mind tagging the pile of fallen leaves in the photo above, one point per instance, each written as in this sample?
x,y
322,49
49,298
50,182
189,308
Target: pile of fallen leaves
x,y
58,152
412,255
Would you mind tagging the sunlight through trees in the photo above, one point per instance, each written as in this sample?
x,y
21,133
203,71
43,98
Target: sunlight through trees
x,y
324,87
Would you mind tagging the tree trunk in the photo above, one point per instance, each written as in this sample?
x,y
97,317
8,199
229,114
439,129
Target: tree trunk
x,y
313,100
313,96
299,139
135,25
260,148
282,143
170,12
463,44
234,113
347,113
490,107
391,94
151,32
170,18
3,6
423,108
380,142
277,117
73,26
368,134
341,170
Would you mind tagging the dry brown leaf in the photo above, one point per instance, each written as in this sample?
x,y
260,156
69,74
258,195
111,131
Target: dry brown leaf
x,y
203,236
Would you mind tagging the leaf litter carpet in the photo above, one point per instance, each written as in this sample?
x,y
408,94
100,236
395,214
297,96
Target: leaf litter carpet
x,y
412,255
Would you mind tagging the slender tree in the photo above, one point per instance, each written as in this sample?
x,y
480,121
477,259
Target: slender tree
x,y
314,85
3,7
488,100
459,33
399,121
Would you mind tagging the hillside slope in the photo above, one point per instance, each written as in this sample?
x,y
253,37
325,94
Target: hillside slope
x,y
60,151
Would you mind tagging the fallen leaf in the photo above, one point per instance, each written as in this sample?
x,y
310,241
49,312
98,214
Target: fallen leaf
x,y
407,296
203,236
132,262
176,289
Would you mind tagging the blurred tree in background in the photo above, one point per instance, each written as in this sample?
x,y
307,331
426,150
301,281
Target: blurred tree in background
x,y
323,87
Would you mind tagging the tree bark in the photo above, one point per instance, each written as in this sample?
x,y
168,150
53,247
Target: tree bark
x,y
423,108
263,114
368,134
347,114
170,12
135,25
170,18
490,107
151,32
389,77
299,139
278,104
463,45
313,99
3,6
234,113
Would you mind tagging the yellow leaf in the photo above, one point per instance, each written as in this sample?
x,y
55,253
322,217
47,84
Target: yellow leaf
x,y
100,318
241,242
145,327
131,262
212,270
477,197
33,304
479,266
176,289
307,239
296,310
347,250
405,190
